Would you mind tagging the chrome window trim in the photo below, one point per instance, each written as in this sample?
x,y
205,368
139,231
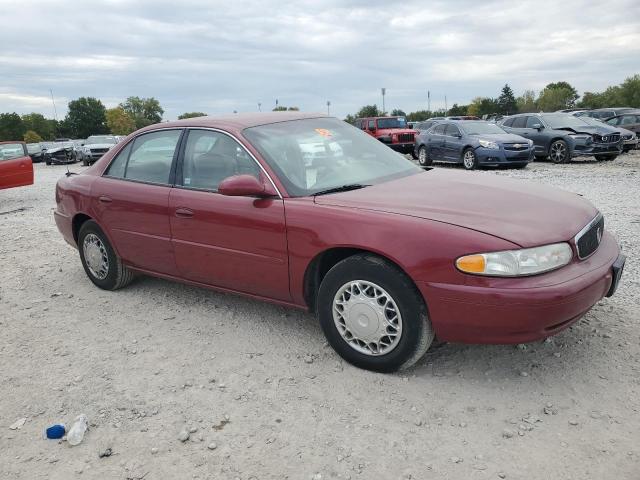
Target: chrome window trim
x,y
213,129
584,230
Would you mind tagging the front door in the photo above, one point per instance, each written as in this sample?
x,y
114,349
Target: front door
x,y
453,143
16,169
131,201
238,243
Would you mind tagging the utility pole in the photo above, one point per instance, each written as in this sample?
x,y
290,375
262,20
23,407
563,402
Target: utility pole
x,y
276,103
428,100
383,90
328,106
259,107
446,109
55,112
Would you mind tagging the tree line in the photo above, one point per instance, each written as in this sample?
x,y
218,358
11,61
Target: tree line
x,y
85,116
555,96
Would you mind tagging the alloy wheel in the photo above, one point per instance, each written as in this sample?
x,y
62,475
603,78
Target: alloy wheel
x,y
558,153
469,159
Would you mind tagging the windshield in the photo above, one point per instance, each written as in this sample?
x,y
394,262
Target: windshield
x,y
564,121
317,154
481,128
394,122
97,139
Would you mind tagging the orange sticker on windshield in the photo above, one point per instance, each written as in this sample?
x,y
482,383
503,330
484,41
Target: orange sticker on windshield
x,y
324,132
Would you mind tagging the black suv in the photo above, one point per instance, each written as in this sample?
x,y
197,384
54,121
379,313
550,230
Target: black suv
x,y
561,136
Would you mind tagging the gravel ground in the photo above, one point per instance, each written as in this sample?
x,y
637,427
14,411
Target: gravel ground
x,y
260,394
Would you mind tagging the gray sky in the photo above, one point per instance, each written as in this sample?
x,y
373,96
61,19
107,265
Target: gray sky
x,y
220,56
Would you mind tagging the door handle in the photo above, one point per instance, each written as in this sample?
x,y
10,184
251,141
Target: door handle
x,y
103,199
184,212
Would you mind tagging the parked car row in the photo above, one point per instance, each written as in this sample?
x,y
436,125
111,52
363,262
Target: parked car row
x,y
65,151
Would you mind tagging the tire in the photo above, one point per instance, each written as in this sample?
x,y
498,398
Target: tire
x,y
116,274
559,152
47,162
424,158
607,157
373,278
469,159
413,154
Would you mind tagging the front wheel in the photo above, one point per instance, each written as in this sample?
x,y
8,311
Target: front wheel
x,y
607,157
559,151
372,314
101,263
424,159
469,159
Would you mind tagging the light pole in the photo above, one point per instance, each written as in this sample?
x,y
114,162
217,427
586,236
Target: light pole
x,y
383,90
259,107
328,106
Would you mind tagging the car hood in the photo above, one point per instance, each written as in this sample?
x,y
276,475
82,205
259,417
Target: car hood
x,y
501,137
101,145
588,129
522,213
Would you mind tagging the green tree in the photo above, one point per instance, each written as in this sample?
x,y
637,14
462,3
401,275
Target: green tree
x,y
144,111
119,122
482,106
11,126
557,98
396,112
457,110
507,104
191,115
369,111
572,93
85,117
37,123
32,137
526,102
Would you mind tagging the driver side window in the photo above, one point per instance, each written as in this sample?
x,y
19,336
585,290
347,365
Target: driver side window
x,y
531,121
210,157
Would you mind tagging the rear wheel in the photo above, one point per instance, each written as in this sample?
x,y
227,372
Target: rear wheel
x,y
559,151
469,159
372,314
101,264
424,158
607,157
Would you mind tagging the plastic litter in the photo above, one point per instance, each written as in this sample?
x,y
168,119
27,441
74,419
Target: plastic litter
x,y
55,432
76,432
17,424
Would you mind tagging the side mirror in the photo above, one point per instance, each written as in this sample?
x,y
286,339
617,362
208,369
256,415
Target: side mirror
x,y
537,126
244,186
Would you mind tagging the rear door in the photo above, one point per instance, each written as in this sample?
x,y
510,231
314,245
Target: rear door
x,y
233,242
453,143
16,168
132,200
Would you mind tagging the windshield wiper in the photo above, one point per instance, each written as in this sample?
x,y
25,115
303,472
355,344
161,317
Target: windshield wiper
x,y
343,188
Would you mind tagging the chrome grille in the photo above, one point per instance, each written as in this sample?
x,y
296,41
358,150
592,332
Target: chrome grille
x,y
609,138
588,239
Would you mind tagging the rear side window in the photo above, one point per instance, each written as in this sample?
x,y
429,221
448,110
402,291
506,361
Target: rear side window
x,y
452,130
508,122
118,164
628,120
519,122
439,129
151,156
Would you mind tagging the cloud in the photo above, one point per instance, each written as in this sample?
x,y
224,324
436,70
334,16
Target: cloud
x,y
218,56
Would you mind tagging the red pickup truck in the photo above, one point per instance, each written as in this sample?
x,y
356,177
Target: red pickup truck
x,y
392,131
16,169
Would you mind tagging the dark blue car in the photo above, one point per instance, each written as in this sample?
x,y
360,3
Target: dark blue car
x,y
472,143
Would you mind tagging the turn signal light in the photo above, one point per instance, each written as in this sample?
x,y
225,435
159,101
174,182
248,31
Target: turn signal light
x,y
471,264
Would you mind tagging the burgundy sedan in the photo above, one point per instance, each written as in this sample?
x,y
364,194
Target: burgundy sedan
x,y
308,211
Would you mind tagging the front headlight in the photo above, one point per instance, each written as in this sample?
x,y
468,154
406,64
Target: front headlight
x,y
488,144
515,263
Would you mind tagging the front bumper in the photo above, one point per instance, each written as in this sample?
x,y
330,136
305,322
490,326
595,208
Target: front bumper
x,y
500,156
401,147
588,149
630,144
524,309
